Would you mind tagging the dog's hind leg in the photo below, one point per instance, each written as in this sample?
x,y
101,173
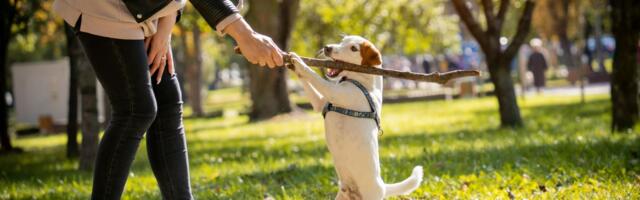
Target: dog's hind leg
x,y
346,193
373,190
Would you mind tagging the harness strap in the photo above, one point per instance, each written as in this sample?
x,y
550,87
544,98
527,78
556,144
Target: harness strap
x,y
354,113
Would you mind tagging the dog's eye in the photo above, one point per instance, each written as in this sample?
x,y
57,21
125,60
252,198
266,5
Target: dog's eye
x,y
354,48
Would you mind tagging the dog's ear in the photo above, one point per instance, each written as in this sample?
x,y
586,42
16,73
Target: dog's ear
x,y
370,55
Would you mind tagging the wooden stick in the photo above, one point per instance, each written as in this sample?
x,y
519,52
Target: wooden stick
x,y
435,77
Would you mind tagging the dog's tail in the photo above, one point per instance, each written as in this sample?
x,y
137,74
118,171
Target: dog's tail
x,y
407,186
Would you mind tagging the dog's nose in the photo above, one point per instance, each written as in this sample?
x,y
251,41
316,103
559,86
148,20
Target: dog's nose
x,y
327,50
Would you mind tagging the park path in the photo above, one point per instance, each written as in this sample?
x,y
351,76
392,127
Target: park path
x,y
591,89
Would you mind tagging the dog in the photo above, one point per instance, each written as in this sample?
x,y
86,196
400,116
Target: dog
x,y
353,139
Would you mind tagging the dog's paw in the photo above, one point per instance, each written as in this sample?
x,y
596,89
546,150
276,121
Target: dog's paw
x,y
299,65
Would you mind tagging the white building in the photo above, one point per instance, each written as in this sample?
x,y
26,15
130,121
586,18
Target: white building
x,y
42,89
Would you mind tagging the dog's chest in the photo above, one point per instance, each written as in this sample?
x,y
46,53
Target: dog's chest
x,y
340,128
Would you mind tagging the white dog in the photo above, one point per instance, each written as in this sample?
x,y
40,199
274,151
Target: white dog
x,y
352,120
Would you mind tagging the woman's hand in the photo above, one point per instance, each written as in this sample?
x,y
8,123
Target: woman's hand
x,y
158,47
257,48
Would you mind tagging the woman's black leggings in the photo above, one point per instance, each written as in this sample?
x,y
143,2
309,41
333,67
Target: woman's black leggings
x,y
138,106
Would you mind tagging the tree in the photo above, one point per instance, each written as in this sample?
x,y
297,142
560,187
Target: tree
x,y
552,21
406,27
499,59
7,15
560,12
268,87
75,52
191,32
89,102
14,15
193,70
625,85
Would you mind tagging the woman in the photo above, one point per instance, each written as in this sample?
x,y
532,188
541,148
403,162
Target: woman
x,y
128,44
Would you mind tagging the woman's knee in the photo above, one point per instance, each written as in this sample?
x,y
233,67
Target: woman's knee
x,y
139,113
144,112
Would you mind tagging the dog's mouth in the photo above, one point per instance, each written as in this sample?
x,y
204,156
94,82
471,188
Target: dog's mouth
x,y
332,73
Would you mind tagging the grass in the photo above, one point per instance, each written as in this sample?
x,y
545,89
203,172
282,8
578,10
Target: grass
x,y
565,151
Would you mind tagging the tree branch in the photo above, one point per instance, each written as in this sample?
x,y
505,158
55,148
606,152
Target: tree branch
x,y
435,77
12,11
502,12
523,29
471,24
487,6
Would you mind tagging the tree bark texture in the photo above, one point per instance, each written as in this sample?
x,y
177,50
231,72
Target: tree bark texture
x,y
268,87
7,16
90,125
499,59
194,74
625,90
75,53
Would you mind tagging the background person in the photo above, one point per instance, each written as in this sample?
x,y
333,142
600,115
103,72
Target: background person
x,y
537,64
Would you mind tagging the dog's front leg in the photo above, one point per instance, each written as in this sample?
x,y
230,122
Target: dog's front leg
x,y
330,92
317,101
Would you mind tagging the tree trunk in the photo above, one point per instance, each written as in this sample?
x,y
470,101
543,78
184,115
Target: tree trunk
x,y
625,96
499,60
90,124
268,87
75,53
5,139
7,21
567,55
500,75
194,74
560,11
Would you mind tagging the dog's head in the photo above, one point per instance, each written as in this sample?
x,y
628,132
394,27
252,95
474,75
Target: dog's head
x,y
355,50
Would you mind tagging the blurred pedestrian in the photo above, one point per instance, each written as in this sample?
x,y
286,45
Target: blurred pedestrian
x,y
453,62
427,59
537,64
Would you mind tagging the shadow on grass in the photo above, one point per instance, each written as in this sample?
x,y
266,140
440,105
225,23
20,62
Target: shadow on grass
x,y
46,164
573,153
217,126
568,161
587,156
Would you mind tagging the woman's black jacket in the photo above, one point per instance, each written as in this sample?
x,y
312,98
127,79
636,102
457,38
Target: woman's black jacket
x,y
213,11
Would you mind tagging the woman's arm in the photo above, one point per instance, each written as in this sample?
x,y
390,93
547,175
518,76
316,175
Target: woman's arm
x,y
214,11
257,48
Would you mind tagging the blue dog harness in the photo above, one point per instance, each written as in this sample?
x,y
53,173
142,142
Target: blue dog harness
x,y
354,113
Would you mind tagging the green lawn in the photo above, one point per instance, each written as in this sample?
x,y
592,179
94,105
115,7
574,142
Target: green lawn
x,y
565,152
